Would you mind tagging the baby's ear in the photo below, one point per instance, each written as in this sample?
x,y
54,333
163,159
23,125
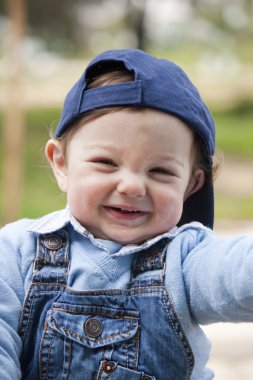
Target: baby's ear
x,y
56,158
196,182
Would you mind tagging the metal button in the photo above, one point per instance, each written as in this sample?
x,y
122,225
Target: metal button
x,y
53,242
93,327
109,367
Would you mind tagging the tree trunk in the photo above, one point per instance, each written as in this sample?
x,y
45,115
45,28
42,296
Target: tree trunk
x,y
14,118
136,20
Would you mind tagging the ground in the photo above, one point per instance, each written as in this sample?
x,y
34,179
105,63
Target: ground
x,y
231,357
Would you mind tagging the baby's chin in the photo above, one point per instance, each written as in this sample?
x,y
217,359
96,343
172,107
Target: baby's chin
x,y
124,239
125,234
130,240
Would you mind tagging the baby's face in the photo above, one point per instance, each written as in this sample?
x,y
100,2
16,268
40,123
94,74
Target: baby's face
x,y
128,173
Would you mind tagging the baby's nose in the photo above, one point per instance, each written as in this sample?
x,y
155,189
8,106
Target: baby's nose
x,y
132,185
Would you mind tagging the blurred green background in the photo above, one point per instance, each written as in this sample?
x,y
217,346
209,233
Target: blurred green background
x,y
210,39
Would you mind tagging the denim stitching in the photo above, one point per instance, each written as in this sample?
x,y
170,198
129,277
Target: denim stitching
x,y
184,340
44,371
26,308
114,291
40,351
84,338
94,313
40,250
127,354
49,353
66,370
30,309
187,354
136,339
29,306
29,301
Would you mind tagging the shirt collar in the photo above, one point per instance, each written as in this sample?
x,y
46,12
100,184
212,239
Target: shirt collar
x,y
50,223
57,220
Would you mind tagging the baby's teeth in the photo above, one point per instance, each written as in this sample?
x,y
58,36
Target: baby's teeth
x,y
128,211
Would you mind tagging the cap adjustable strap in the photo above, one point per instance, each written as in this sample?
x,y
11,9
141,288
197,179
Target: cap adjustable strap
x,y
116,94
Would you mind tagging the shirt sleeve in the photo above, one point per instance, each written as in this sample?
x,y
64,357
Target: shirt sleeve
x,y
218,275
11,301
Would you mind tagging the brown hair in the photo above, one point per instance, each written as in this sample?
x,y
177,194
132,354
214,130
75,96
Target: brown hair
x,y
209,165
119,74
112,76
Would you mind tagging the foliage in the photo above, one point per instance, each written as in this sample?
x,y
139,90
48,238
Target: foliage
x,y
69,27
234,130
40,193
233,207
65,26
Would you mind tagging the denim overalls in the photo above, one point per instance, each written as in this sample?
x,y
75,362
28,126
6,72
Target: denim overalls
x,y
130,334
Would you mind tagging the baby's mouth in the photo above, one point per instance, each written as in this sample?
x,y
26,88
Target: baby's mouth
x,y
123,212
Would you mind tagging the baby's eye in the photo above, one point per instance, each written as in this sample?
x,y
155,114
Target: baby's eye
x,y
160,171
105,161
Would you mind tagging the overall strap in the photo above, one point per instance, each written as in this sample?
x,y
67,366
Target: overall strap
x,y
52,258
149,260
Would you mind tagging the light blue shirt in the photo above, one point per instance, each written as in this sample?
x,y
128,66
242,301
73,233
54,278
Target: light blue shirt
x,y
208,278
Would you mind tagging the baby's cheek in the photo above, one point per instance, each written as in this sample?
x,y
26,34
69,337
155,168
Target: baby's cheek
x,y
76,202
170,210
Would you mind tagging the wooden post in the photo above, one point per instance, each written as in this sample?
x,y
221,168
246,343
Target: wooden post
x,y
14,118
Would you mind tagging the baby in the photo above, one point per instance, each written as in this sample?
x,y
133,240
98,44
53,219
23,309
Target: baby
x,y
116,285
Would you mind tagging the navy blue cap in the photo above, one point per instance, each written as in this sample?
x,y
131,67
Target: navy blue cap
x,y
158,84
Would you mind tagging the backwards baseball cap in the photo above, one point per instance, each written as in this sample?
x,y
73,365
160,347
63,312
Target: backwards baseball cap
x,y
159,84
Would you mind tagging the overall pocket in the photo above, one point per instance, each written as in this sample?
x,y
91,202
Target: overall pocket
x,y
78,338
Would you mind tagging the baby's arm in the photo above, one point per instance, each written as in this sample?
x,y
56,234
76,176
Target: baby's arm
x,y
11,299
218,275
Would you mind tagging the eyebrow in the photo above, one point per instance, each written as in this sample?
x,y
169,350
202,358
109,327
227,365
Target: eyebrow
x,y
158,157
169,157
102,145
